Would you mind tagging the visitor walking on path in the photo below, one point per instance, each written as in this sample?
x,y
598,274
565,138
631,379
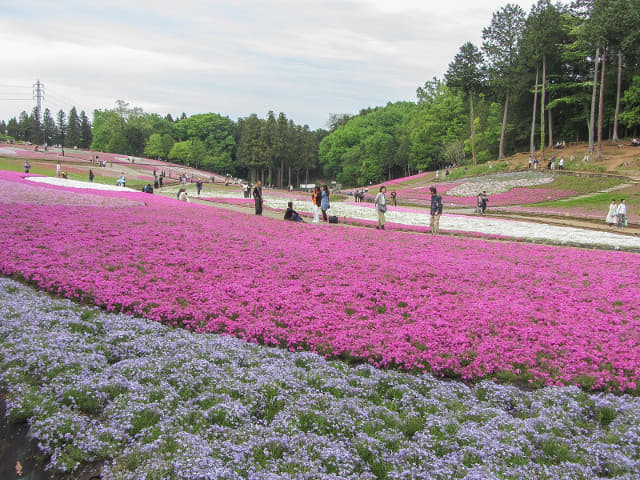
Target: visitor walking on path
x,y
199,186
58,169
316,199
622,214
91,176
484,199
381,207
612,215
324,202
436,211
257,196
27,166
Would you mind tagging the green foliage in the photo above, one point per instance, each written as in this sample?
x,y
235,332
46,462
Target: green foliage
x,y
630,116
370,146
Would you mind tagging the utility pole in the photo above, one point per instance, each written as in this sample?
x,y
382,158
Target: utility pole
x,y
38,96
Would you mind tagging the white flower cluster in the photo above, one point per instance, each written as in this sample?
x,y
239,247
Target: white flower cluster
x,y
499,183
154,402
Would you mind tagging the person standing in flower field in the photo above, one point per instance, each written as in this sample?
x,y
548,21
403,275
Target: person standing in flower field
x,y
622,213
199,186
381,207
316,198
91,176
27,166
436,211
257,197
611,218
324,202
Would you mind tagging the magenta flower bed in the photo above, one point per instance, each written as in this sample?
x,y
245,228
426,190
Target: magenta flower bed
x,y
453,306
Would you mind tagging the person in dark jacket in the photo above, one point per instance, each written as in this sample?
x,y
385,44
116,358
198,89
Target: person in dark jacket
x,y
257,197
484,199
291,214
436,211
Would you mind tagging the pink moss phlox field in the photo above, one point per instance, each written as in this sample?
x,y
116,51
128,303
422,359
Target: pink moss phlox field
x,y
454,306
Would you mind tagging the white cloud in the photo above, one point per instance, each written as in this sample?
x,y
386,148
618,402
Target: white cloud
x,y
305,58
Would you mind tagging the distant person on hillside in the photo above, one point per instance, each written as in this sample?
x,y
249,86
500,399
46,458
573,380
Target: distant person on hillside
x,y
324,202
612,215
58,169
394,195
147,188
122,181
635,142
530,162
257,197
199,186
291,214
27,166
381,207
436,211
156,183
91,176
622,213
561,163
535,163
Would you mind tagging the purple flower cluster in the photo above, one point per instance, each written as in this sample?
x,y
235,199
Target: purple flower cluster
x,y
142,400
461,307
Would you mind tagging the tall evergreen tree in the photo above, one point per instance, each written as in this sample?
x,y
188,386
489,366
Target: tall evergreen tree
x,y
62,129
501,43
466,74
49,128
86,135
543,34
35,128
13,129
74,130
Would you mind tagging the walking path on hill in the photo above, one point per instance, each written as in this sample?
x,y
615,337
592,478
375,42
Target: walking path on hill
x,y
532,229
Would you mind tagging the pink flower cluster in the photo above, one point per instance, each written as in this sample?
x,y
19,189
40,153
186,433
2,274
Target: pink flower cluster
x,y
453,306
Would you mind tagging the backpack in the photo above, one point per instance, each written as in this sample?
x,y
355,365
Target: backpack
x,y
333,219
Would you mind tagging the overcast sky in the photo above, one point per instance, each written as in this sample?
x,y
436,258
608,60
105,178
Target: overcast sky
x,y
308,59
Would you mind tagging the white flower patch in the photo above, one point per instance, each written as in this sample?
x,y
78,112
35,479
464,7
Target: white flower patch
x,y
499,183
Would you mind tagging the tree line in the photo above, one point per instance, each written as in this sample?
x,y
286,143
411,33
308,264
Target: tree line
x,y
275,150
557,73
561,72
72,129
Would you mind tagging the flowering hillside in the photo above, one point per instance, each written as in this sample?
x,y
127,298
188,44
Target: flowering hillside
x,y
456,307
